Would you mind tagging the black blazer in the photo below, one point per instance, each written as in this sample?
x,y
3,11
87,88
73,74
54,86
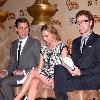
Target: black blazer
x,y
88,62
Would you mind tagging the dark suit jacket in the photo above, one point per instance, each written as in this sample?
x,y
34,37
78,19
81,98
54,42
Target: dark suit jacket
x,y
29,57
88,62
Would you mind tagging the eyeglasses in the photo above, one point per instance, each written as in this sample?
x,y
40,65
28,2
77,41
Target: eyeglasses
x,y
82,22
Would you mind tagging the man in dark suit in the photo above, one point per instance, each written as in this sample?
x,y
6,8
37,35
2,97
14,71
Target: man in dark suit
x,y
24,56
86,58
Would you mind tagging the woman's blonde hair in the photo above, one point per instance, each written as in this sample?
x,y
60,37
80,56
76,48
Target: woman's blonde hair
x,y
50,28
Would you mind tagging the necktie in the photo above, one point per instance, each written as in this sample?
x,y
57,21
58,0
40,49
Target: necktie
x,y
82,45
19,50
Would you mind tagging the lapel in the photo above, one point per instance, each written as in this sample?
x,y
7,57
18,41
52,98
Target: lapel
x,y
14,47
90,40
79,41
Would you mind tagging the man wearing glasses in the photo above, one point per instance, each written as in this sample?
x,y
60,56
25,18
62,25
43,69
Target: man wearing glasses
x,y
86,59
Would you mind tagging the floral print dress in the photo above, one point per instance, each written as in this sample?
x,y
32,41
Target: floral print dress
x,y
51,58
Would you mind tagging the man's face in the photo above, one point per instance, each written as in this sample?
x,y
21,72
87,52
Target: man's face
x,y
22,30
84,25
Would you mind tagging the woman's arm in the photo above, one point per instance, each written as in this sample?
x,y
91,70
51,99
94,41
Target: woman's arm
x,y
41,62
64,54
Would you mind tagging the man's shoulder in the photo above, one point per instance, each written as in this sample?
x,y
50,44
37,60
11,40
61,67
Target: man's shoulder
x,y
34,42
77,39
96,35
33,39
97,38
15,41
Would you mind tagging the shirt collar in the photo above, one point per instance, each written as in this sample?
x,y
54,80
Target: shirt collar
x,y
86,37
23,40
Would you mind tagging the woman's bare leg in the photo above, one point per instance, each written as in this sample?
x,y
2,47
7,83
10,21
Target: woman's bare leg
x,y
25,86
33,74
33,89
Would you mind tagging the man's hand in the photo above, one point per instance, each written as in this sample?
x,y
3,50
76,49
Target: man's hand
x,y
3,74
18,72
75,72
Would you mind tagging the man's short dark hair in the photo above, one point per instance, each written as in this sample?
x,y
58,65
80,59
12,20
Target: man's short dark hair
x,y
21,20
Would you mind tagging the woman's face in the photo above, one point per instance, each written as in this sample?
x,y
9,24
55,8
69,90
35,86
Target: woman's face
x,y
48,37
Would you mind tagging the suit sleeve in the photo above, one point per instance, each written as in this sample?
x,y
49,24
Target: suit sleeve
x,y
12,63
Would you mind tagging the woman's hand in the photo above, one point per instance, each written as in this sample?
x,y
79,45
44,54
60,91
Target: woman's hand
x,y
50,83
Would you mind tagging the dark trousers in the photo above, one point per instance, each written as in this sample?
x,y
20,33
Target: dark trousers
x,y
65,82
1,95
7,85
60,83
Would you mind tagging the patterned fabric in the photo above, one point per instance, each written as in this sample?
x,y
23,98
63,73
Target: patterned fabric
x,y
51,58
